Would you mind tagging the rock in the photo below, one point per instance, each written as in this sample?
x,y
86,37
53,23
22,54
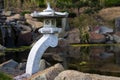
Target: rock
x,y
104,30
10,68
73,36
24,27
2,48
25,38
27,16
16,16
7,13
110,13
53,57
116,37
35,24
96,38
117,24
44,64
75,75
22,66
10,64
62,42
48,74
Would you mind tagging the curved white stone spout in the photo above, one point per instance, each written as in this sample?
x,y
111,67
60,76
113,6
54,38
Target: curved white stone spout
x,y
33,62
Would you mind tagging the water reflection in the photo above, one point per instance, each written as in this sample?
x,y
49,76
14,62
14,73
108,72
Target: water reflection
x,y
94,59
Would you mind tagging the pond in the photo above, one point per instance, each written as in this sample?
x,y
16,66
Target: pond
x,y
92,58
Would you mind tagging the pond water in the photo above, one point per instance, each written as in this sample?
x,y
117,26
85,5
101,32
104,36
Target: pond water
x,y
95,58
100,58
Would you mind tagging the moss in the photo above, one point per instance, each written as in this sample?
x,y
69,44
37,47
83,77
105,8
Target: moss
x,y
77,45
23,48
4,76
1,54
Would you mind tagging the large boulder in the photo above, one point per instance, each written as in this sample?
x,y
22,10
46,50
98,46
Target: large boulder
x,y
34,23
48,74
110,13
11,63
10,68
6,13
16,16
75,75
73,36
28,16
25,38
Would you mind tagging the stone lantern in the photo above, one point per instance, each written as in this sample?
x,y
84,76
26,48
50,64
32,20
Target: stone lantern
x,y
49,38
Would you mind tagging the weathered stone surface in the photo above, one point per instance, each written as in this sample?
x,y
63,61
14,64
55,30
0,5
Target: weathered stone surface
x,y
62,42
11,67
27,16
73,36
11,63
75,75
25,38
7,13
22,66
2,47
16,16
43,64
110,13
24,27
35,24
96,38
48,74
116,37
53,57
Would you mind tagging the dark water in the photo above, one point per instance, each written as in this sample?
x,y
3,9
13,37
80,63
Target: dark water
x,y
100,59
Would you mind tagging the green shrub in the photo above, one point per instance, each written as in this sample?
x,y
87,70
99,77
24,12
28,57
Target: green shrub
x,y
83,22
25,12
110,3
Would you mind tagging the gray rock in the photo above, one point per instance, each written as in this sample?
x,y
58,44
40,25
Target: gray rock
x,y
53,57
75,75
22,66
2,48
104,30
44,64
9,64
116,38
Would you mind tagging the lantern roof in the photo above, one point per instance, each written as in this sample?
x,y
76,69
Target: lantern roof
x,y
49,13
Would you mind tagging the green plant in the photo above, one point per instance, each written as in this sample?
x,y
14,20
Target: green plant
x,y
25,12
83,22
4,76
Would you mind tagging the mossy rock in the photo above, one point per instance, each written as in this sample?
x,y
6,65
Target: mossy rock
x,y
19,49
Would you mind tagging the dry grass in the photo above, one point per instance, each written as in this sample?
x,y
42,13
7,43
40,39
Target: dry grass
x,y
110,13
